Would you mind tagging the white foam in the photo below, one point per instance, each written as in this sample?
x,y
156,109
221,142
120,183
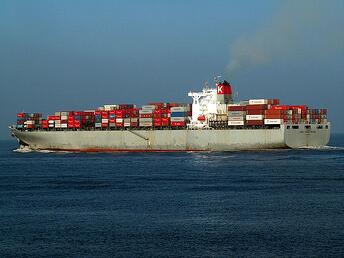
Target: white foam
x,y
23,149
321,147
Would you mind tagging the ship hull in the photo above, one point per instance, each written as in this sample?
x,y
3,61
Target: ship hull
x,y
175,140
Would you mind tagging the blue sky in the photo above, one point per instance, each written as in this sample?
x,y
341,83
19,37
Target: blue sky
x,y
74,55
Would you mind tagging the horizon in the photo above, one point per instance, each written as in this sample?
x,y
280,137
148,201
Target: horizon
x,y
79,55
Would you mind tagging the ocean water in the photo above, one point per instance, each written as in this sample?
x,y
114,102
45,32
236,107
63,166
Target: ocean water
x,y
278,203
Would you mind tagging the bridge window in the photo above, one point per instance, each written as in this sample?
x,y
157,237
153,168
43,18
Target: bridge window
x,y
320,127
295,127
307,126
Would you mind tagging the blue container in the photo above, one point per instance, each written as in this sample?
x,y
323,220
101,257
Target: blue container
x,y
179,114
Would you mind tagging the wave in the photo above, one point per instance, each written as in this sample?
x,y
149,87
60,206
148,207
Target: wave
x,y
322,147
25,149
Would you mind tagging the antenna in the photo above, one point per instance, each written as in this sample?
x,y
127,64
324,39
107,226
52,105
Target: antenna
x,y
206,85
217,78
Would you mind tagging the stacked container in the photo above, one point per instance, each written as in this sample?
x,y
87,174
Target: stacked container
x,y
179,116
146,116
28,120
160,117
255,114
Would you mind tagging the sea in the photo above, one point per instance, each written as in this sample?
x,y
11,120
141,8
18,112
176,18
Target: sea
x,y
276,203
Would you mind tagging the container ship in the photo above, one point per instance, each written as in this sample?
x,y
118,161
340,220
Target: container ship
x,y
212,122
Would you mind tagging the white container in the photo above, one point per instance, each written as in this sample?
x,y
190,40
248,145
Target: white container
x,y
273,121
145,124
144,119
236,118
119,120
105,120
64,125
254,117
57,125
64,114
64,117
235,122
257,101
57,113
146,111
236,113
148,107
51,121
133,119
178,119
126,124
51,125
110,107
98,125
180,109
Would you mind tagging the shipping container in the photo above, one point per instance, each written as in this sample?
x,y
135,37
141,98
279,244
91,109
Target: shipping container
x,y
145,120
231,123
179,114
178,124
236,113
254,117
257,101
256,107
145,111
178,119
255,122
145,124
273,121
255,112
180,109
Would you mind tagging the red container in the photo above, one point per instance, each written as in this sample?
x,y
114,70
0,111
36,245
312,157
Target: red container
x,y
54,117
280,107
254,122
267,116
70,125
302,107
179,124
119,124
254,112
133,124
112,120
236,108
323,111
21,115
257,107
157,124
104,125
30,126
274,112
146,115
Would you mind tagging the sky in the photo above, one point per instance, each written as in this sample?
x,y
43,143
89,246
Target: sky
x,y
60,55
